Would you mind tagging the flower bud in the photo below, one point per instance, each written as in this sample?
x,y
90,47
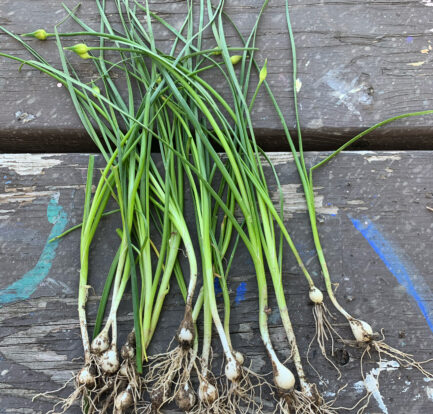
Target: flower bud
x,y
235,59
263,71
96,91
40,34
81,50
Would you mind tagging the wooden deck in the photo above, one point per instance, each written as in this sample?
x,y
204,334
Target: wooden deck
x,y
359,62
377,233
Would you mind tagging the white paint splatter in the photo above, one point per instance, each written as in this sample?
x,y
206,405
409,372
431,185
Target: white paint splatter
x,y
28,164
4,372
428,3
429,392
407,386
315,123
371,383
427,379
349,93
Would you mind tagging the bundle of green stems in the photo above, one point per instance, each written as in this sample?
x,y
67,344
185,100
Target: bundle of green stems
x,y
207,148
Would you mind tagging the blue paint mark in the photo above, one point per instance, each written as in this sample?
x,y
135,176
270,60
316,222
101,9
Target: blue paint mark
x,y
409,39
416,287
8,182
217,286
27,284
240,292
5,176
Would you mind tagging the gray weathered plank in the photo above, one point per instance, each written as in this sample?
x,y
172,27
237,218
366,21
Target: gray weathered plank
x,y
359,62
384,194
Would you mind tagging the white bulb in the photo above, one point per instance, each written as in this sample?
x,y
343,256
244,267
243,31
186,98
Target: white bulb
x,y
185,398
207,392
362,331
239,358
232,370
123,400
316,296
185,335
109,360
123,370
85,377
100,344
283,377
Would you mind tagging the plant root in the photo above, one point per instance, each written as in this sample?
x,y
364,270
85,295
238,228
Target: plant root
x,y
245,395
127,383
382,348
216,404
324,332
168,375
86,387
301,402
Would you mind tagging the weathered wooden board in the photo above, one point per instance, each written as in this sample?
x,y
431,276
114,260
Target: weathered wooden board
x,y
377,234
359,62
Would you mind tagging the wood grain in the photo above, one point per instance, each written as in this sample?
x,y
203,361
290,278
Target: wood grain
x,y
359,63
39,336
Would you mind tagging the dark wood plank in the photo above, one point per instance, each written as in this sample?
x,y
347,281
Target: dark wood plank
x,y
374,224
359,62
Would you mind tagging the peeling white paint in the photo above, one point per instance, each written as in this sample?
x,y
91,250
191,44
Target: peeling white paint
x,y
25,348
428,3
28,164
294,200
23,197
371,383
416,64
4,372
378,158
279,158
355,202
57,283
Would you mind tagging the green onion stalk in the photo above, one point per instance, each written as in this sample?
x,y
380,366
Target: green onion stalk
x,y
308,398
244,196
89,110
164,374
362,331
240,187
